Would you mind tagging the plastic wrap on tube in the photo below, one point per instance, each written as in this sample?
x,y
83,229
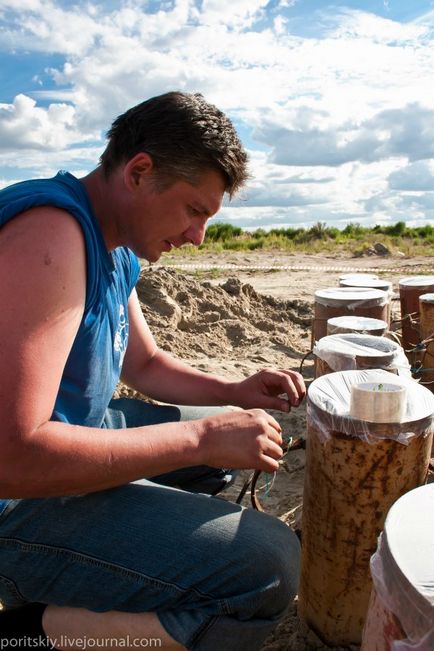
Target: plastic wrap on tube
x,y
362,276
373,283
340,352
328,407
427,298
351,297
402,568
419,282
362,324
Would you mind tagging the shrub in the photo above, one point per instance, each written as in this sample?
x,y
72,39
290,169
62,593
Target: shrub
x,y
398,229
221,232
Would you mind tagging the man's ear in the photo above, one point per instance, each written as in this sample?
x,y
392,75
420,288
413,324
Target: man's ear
x,y
137,170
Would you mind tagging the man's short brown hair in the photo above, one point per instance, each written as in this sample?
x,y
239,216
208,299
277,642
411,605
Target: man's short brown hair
x,y
184,135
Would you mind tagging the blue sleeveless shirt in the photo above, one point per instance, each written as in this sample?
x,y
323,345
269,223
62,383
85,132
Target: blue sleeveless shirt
x,y
94,364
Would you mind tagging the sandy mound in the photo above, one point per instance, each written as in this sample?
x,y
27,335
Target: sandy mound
x,y
192,319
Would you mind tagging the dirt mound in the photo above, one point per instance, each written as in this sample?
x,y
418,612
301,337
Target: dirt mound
x,y
192,318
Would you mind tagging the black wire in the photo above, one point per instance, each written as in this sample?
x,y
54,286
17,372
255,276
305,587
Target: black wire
x,y
245,488
252,480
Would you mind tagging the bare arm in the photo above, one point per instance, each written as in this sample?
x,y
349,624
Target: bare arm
x,y
42,293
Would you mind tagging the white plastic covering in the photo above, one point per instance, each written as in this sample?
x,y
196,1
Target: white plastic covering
x,y
374,283
358,275
417,282
360,324
351,297
341,351
402,568
427,298
328,406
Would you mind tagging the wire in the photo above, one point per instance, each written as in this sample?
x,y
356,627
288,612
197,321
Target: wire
x,y
303,359
293,444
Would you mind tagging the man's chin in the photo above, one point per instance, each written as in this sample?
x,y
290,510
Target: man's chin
x,y
150,254
152,257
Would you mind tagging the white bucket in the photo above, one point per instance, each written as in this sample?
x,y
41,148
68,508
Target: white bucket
x,y
401,611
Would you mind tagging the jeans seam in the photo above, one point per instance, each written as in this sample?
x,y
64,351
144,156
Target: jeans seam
x,y
10,584
198,635
227,610
87,559
200,632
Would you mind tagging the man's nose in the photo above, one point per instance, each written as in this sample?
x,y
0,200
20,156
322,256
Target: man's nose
x,y
196,233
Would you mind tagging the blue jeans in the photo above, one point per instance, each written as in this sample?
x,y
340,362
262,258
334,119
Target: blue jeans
x,y
219,576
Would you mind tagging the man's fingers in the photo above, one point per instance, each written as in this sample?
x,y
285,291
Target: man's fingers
x,y
275,436
281,402
272,422
268,464
298,382
273,450
275,425
293,385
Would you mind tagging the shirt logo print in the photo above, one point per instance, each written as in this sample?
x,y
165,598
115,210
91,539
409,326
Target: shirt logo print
x,y
121,335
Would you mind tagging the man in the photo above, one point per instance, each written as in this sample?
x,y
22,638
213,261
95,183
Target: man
x,y
114,554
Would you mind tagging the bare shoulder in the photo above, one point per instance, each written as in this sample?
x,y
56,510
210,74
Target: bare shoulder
x,y
42,294
42,248
39,228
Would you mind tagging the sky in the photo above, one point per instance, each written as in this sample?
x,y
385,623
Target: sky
x,y
333,101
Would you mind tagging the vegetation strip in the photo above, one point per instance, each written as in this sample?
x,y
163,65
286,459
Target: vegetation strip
x,y
276,267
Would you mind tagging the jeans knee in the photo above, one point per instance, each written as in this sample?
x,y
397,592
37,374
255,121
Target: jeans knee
x,y
276,564
285,563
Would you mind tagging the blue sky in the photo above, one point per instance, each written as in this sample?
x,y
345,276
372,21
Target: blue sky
x,y
334,101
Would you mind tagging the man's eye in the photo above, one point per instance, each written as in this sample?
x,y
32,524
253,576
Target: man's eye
x,y
194,211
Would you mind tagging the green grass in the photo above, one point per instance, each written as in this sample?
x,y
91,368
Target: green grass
x,y
320,238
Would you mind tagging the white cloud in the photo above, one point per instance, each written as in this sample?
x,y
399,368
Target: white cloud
x,y
423,202
361,24
283,4
232,13
44,26
406,131
337,115
411,208
417,176
24,125
21,5
28,163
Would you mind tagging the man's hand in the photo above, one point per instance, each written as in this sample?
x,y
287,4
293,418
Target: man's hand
x,y
241,439
266,389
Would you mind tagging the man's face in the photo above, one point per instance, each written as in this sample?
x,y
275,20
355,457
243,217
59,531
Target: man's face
x,y
175,216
